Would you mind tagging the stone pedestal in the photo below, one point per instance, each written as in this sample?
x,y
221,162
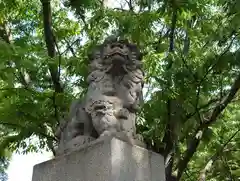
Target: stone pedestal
x,y
106,159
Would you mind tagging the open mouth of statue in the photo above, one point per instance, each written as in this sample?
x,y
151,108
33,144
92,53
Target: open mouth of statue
x,y
117,57
118,60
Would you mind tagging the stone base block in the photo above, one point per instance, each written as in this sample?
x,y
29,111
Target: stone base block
x,y
106,159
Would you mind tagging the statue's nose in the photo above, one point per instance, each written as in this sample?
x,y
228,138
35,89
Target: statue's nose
x,y
116,45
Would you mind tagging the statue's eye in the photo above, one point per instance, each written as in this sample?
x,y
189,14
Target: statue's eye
x,y
122,41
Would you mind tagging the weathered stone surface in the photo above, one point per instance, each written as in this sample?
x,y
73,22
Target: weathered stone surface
x,y
77,129
115,87
74,144
114,94
105,159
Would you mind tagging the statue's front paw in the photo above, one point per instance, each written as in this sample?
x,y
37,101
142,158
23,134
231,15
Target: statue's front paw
x,y
123,114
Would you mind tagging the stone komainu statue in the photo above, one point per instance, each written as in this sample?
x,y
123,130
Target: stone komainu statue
x,y
112,100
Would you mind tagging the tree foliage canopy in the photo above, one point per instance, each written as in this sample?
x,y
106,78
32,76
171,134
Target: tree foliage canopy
x,y
191,60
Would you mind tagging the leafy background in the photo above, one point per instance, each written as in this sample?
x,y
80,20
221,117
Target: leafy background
x,y
191,60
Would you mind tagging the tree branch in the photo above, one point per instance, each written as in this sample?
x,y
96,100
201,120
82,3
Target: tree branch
x,y
186,44
194,143
217,60
3,33
129,2
6,37
213,158
50,43
169,137
69,47
189,115
172,31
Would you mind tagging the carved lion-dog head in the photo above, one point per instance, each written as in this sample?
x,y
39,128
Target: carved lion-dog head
x,y
116,56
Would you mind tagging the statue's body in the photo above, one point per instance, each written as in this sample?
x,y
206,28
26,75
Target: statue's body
x,y
113,96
